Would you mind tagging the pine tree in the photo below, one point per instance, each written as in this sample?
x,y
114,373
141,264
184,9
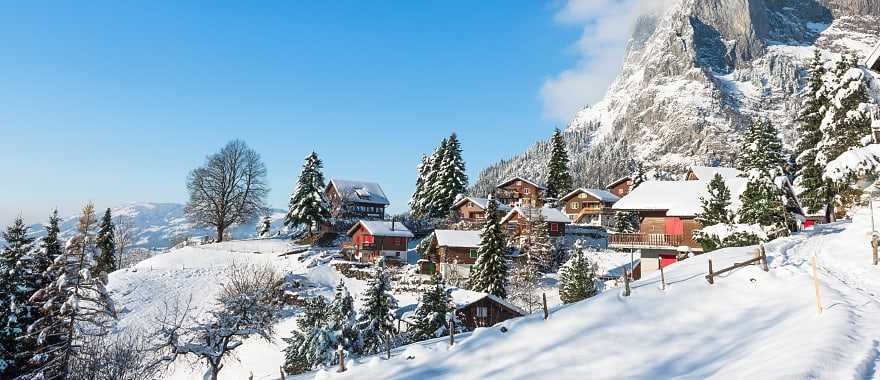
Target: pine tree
x,y
73,307
417,201
433,194
302,354
431,313
577,278
715,210
375,322
489,272
558,177
639,176
762,149
452,178
626,222
265,227
17,283
815,191
762,204
50,249
342,320
106,243
307,204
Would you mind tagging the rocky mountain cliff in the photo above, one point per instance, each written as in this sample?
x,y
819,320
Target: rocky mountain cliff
x,y
693,77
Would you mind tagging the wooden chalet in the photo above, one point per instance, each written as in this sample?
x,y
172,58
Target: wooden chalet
x,y
456,250
666,212
476,309
590,206
519,191
356,199
371,239
473,209
517,220
620,187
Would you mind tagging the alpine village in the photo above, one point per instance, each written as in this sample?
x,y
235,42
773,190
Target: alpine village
x,y
702,268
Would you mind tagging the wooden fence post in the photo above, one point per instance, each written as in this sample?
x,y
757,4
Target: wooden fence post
x,y
662,275
281,370
626,290
546,312
874,244
763,257
451,330
388,345
341,360
711,275
816,284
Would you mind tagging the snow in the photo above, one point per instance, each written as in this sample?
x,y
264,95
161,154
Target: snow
x,y
707,172
455,238
858,160
723,231
518,178
602,195
678,198
550,214
384,228
461,298
360,191
749,324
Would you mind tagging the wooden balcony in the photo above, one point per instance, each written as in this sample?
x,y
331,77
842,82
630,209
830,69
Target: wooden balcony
x,y
656,241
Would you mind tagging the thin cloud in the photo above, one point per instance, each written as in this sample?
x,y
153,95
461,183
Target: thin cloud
x,y
607,26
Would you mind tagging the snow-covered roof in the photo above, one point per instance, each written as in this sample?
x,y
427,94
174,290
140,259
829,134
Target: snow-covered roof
x,y
602,195
550,214
462,298
382,228
873,61
483,203
617,182
360,191
526,180
677,198
707,172
455,238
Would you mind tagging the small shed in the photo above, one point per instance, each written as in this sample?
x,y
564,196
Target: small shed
x,y
476,309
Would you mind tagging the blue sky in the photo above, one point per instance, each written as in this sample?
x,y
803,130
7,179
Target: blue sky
x,y
115,102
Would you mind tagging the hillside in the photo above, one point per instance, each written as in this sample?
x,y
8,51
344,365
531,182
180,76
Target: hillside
x,y
691,79
750,324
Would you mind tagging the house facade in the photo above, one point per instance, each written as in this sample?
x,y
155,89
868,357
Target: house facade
x,y
473,209
456,251
667,213
590,206
371,239
475,309
620,187
517,220
356,199
519,191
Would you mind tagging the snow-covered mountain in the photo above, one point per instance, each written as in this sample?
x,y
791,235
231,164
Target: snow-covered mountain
x,y
161,225
692,78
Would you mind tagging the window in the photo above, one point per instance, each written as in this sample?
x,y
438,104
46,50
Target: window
x,y
554,227
473,253
482,312
369,239
525,190
583,195
511,226
575,205
519,183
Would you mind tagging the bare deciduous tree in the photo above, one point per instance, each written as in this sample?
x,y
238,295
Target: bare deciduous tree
x,y
123,235
229,188
117,357
248,305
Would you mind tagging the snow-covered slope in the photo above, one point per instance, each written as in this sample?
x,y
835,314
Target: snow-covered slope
x,y
161,225
749,324
692,78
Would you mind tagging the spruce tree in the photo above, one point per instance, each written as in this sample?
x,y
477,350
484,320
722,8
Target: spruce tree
x,y
762,201
430,315
307,346
815,190
626,222
489,272
307,204
715,209
762,204
17,283
265,227
433,190
558,177
50,249
417,201
452,178
762,149
342,319
639,176
74,307
577,278
106,243
375,323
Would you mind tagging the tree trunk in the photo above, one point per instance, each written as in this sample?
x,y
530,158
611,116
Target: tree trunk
x,y
220,230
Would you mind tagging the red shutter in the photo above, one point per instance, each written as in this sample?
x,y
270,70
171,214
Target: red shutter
x,y
368,239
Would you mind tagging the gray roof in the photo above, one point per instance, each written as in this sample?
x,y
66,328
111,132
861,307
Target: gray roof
x,y
533,183
482,202
360,191
600,194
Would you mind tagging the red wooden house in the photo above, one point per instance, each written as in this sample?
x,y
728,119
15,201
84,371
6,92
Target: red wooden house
x,y
373,239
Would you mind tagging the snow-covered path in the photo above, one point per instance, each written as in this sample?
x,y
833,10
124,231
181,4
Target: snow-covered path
x,y
749,324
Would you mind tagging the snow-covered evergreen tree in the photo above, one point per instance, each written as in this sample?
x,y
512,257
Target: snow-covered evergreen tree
x,y
307,204
489,272
375,322
265,227
50,249
342,320
452,179
815,190
762,204
762,149
75,306
433,191
299,355
716,209
106,243
577,278
17,283
417,204
639,175
558,177
431,313
626,222
427,250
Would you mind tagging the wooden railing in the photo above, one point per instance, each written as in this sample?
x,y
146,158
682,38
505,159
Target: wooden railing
x,y
646,240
